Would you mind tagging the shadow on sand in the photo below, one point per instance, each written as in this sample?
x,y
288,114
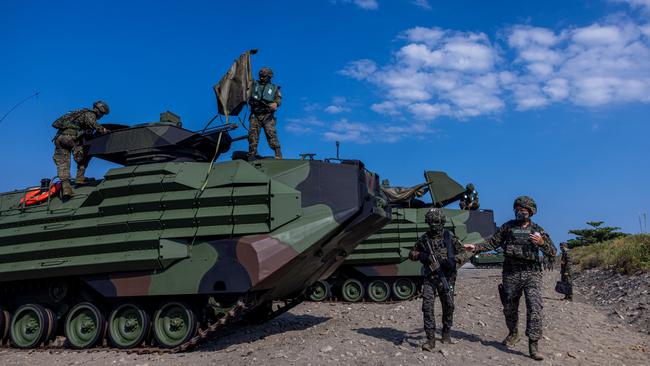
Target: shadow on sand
x,y
415,339
242,333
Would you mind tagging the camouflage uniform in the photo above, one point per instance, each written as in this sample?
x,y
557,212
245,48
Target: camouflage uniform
x,y
469,201
263,117
566,271
438,237
522,273
71,127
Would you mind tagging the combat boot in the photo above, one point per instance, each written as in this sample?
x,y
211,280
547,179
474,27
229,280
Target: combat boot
x,y
446,338
278,153
66,189
534,351
568,297
429,345
511,339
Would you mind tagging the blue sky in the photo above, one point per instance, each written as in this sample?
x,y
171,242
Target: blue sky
x,y
549,99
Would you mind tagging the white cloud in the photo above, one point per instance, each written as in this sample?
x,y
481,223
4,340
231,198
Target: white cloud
x,y
440,72
359,69
339,105
641,4
363,4
303,125
424,4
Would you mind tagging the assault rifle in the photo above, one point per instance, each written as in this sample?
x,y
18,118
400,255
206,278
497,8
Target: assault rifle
x,y
435,266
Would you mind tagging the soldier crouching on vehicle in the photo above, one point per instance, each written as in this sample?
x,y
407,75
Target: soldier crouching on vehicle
x,y
264,101
469,201
521,240
437,250
566,270
68,141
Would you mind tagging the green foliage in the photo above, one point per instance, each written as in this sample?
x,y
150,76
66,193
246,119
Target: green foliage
x,y
595,234
626,255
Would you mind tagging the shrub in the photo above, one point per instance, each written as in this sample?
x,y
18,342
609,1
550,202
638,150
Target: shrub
x,y
626,255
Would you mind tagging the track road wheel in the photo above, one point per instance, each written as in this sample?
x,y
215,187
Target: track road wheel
x,y
174,323
85,326
29,326
378,291
403,289
320,291
128,326
5,322
352,290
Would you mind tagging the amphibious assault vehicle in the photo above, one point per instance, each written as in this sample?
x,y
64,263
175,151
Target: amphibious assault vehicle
x,y
493,259
165,250
379,269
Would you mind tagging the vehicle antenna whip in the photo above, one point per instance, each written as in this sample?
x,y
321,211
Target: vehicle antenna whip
x,y
17,105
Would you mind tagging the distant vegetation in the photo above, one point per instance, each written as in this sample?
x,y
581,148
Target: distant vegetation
x,y
626,255
596,233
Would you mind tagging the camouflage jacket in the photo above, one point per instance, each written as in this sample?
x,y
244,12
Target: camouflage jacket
x,y
437,240
565,263
80,121
506,235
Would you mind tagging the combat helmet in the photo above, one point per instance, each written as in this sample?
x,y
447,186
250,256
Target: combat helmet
x,y
469,187
527,203
435,217
266,72
101,106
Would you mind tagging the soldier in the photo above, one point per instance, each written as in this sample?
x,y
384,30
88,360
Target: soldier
x,y
521,240
566,272
70,129
437,250
264,101
469,201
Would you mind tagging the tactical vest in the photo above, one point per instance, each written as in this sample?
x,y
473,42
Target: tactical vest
x,y
519,246
264,92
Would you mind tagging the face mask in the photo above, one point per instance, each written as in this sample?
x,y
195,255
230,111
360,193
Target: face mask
x,y
521,215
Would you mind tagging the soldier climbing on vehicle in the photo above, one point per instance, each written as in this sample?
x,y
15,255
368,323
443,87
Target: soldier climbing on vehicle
x,y
71,127
264,101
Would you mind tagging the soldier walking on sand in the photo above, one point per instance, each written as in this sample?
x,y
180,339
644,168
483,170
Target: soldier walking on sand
x,y
264,101
68,141
437,250
566,270
521,240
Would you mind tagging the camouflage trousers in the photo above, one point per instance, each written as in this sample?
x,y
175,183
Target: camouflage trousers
x,y
528,282
430,287
64,147
262,121
566,276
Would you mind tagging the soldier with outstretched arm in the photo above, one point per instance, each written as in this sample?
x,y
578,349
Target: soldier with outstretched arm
x,y
521,240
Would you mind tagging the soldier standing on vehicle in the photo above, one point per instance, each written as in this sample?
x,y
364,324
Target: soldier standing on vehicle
x,y
68,141
264,101
521,240
566,270
437,250
469,201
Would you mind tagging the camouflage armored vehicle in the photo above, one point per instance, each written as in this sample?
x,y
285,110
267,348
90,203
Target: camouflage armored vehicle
x,y
379,268
168,248
493,259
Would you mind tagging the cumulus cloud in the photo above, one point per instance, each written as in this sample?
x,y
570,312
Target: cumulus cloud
x,y
338,105
440,72
596,65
